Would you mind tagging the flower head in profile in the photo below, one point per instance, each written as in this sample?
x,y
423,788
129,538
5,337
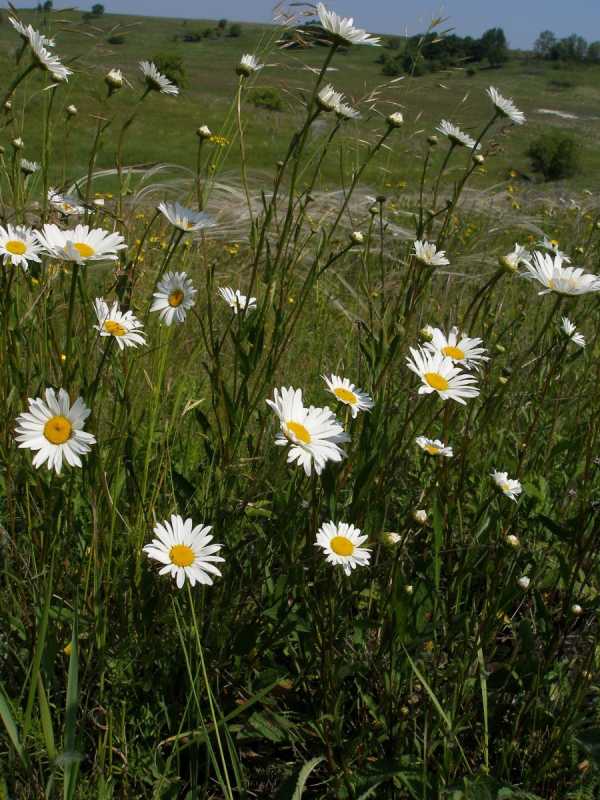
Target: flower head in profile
x,y
508,486
26,32
173,298
67,205
348,394
80,244
184,218
439,374
345,111
123,325
505,106
54,428
185,551
434,447
47,60
328,99
549,271
29,167
313,433
456,137
341,544
19,245
395,120
460,349
155,80
510,262
114,80
248,65
342,28
570,332
427,254
236,300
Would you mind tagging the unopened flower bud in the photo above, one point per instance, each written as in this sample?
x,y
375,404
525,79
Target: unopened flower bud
x,y
409,588
577,610
357,237
18,143
71,110
420,516
513,540
7,106
391,539
114,80
432,140
478,158
524,582
426,333
395,120
203,132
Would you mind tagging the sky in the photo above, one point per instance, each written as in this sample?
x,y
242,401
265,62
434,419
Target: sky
x,y
522,20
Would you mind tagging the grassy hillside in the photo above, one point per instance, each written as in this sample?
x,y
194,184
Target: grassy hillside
x,y
165,130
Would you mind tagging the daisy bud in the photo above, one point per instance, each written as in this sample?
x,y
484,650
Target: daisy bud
x,y
99,201
420,516
7,106
409,589
502,380
405,711
2,151
395,120
204,132
478,158
432,140
524,582
18,143
426,333
357,237
71,110
513,540
68,649
373,210
391,539
507,264
279,165
500,348
114,80
579,250
577,610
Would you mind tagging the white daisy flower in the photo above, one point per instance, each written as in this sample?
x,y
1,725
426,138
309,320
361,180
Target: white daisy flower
x,y
123,325
343,28
345,111
314,433
236,300
54,428
552,245
19,245
328,99
47,60
511,261
80,244
173,298
439,374
348,394
455,135
248,65
184,218
505,106
508,486
548,271
185,551
434,447
29,167
26,31
342,544
460,349
570,330
66,204
155,80
428,254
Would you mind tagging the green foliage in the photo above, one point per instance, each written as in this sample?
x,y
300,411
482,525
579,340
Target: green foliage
x,y
555,155
97,10
171,65
266,97
116,38
235,30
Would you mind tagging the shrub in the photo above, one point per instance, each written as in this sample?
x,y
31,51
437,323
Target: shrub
x,y
192,36
235,30
555,155
266,98
116,38
171,65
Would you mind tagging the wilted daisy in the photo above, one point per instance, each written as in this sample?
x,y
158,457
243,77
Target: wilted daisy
x,y
434,447
548,270
428,254
173,298
455,135
511,261
184,218
570,330
552,245
248,65
439,374
123,325
29,167
54,428
508,486
343,28
47,60
236,300
185,551
505,106
18,245
66,204
81,244
314,433
342,544
155,80
328,99
460,349
348,394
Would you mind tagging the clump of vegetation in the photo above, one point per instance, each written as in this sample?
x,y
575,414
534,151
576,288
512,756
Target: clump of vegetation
x,y
555,155
570,49
171,65
116,38
266,97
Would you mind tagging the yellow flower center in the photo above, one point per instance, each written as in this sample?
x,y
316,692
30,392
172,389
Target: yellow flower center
x,y
453,352
84,249
341,546
345,395
505,487
114,327
58,430
181,555
551,284
432,449
299,431
176,298
16,247
554,242
436,381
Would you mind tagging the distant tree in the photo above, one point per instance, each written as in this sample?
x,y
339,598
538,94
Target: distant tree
x,y
97,9
222,24
235,30
544,44
574,47
47,5
593,52
495,47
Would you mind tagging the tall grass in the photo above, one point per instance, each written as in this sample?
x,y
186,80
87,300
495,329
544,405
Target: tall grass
x,y
435,671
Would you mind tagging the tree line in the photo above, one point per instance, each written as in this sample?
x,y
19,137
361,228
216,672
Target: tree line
x,y
571,48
